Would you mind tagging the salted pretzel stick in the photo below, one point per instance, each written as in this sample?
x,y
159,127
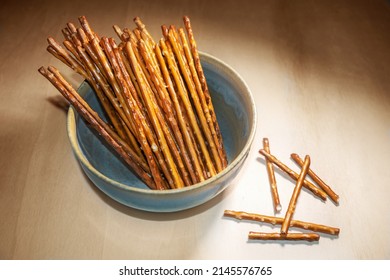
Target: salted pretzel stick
x,y
118,32
187,114
139,159
214,137
111,87
197,174
170,118
71,48
142,28
87,28
240,215
310,237
308,185
87,75
96,123
317,179
294,198
74,64
198,109
129,92
172,174
137,118
81,69
52,51
202,78
110,96
272,180
104,42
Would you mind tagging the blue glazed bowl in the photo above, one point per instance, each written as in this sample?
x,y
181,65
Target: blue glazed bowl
x,y
236,113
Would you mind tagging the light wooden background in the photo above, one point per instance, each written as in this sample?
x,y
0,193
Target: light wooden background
x,y
319,72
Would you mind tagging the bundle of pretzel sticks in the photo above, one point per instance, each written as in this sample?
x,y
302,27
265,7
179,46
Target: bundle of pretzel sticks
x,y
162,121
321,190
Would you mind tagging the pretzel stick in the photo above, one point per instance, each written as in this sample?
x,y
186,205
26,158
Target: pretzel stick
x,y
70,47
202,78
87,75
92,118
137,118
317,179
196,171
72,62
129,92
155,117
109,94
308,185
166,107
87,28
310,237
278,221
52,51
213,135
112,79
294,198
182,111
198,110
171,172
272,180
140,161
143,29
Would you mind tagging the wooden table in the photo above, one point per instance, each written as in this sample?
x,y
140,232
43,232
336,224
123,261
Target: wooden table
x,y
319,73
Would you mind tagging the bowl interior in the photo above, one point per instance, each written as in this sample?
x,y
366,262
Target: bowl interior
x,y
233,105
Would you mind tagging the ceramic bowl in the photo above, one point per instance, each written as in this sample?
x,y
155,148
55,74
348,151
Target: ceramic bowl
x,y
236,114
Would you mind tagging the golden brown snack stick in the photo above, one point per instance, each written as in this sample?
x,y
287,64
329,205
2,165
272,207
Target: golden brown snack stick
x,y
87,28
294,198
171,172
181,91
174,139
104,130
308,185
100,79
142,28
240,215
317,179
74,64
221,160
272,180
197,174
310,237
198,112
202,78
137,118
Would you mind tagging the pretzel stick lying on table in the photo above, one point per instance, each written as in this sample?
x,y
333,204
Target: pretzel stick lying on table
x,y
271,177
317,179
308,185
240,215
294,197
279,236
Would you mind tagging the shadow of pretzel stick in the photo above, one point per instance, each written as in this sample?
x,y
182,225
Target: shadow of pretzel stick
x,y
59,102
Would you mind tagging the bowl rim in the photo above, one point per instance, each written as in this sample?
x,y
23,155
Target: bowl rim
x,y
71,129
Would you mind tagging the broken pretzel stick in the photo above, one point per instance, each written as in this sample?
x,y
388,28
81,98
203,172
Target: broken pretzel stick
x,y
317,179
272,180
294,197
240,215
311,187
278,236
